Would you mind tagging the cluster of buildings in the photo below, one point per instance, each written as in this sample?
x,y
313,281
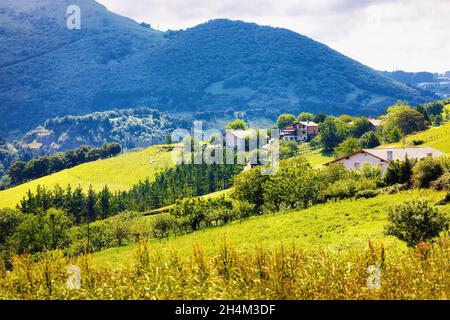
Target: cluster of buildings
x,y
304,131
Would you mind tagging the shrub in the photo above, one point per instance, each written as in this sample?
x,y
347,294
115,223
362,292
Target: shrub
x,y
367,194
417,142
444,201
339,190
442,183
243,209
415,221
396,188
426,171
399,172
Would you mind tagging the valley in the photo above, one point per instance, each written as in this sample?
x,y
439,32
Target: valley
x,y
343,191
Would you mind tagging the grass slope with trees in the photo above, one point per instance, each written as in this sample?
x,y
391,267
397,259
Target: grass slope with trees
x,y
119,173
303,220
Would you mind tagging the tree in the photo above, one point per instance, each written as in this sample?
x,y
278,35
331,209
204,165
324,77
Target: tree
x,y
248,186
359,127
305,116
120,230
9,220
288,149
17,172
91,205
58,223
105,202
285,119
405,118
90,210
191,209
399,172
162,224
331,134
43,231
237,124
426,171
415,221
319,118
111,149
369,140
348,146
294,185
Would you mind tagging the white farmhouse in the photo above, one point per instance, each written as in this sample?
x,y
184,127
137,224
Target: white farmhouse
x,y
381,157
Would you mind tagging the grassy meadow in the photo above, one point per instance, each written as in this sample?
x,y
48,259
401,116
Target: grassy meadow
x,y
119,173
436,137
336,226
284,272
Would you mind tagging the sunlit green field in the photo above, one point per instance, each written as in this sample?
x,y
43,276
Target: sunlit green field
x,y
318,157
335,226
119,173
436,137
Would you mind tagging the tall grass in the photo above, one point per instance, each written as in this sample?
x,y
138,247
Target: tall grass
x,y
285,273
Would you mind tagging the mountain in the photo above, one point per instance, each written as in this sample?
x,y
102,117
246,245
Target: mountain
x,y
113,62
438,83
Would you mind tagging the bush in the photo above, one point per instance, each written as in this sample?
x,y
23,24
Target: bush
x,y
415,221
444,201
417,142
426,171
367,194
339,190
399,172
396,188
442,183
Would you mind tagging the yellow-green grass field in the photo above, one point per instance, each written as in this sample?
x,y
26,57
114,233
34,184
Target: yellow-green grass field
x,y
436,137
336,226
119,173
318,158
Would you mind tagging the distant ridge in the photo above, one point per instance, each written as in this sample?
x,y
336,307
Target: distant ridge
x,y
113,62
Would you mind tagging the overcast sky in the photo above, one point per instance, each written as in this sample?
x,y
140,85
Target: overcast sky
x,y
411,35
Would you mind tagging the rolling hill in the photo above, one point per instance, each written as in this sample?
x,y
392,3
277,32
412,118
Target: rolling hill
x,y
119,173
113,62
122,172
331,226
436,137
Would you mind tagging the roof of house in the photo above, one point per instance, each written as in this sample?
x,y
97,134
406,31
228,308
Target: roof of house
x,y
309,123
397,153
241,134
291,127
375,122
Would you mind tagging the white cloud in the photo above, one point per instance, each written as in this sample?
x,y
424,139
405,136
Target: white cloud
x,y
412,35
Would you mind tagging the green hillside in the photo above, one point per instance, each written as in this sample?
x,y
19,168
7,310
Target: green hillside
x,y
335,226
436,137
221,65
119,173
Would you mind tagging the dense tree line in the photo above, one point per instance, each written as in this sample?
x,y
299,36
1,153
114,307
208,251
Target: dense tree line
x,y
298,185
184,180
21,171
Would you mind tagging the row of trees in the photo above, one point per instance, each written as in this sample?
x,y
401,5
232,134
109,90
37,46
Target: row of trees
x,y
21,171
298,185
184,180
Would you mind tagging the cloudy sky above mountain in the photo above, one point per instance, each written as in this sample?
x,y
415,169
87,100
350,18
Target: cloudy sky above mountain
x,y
411,35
